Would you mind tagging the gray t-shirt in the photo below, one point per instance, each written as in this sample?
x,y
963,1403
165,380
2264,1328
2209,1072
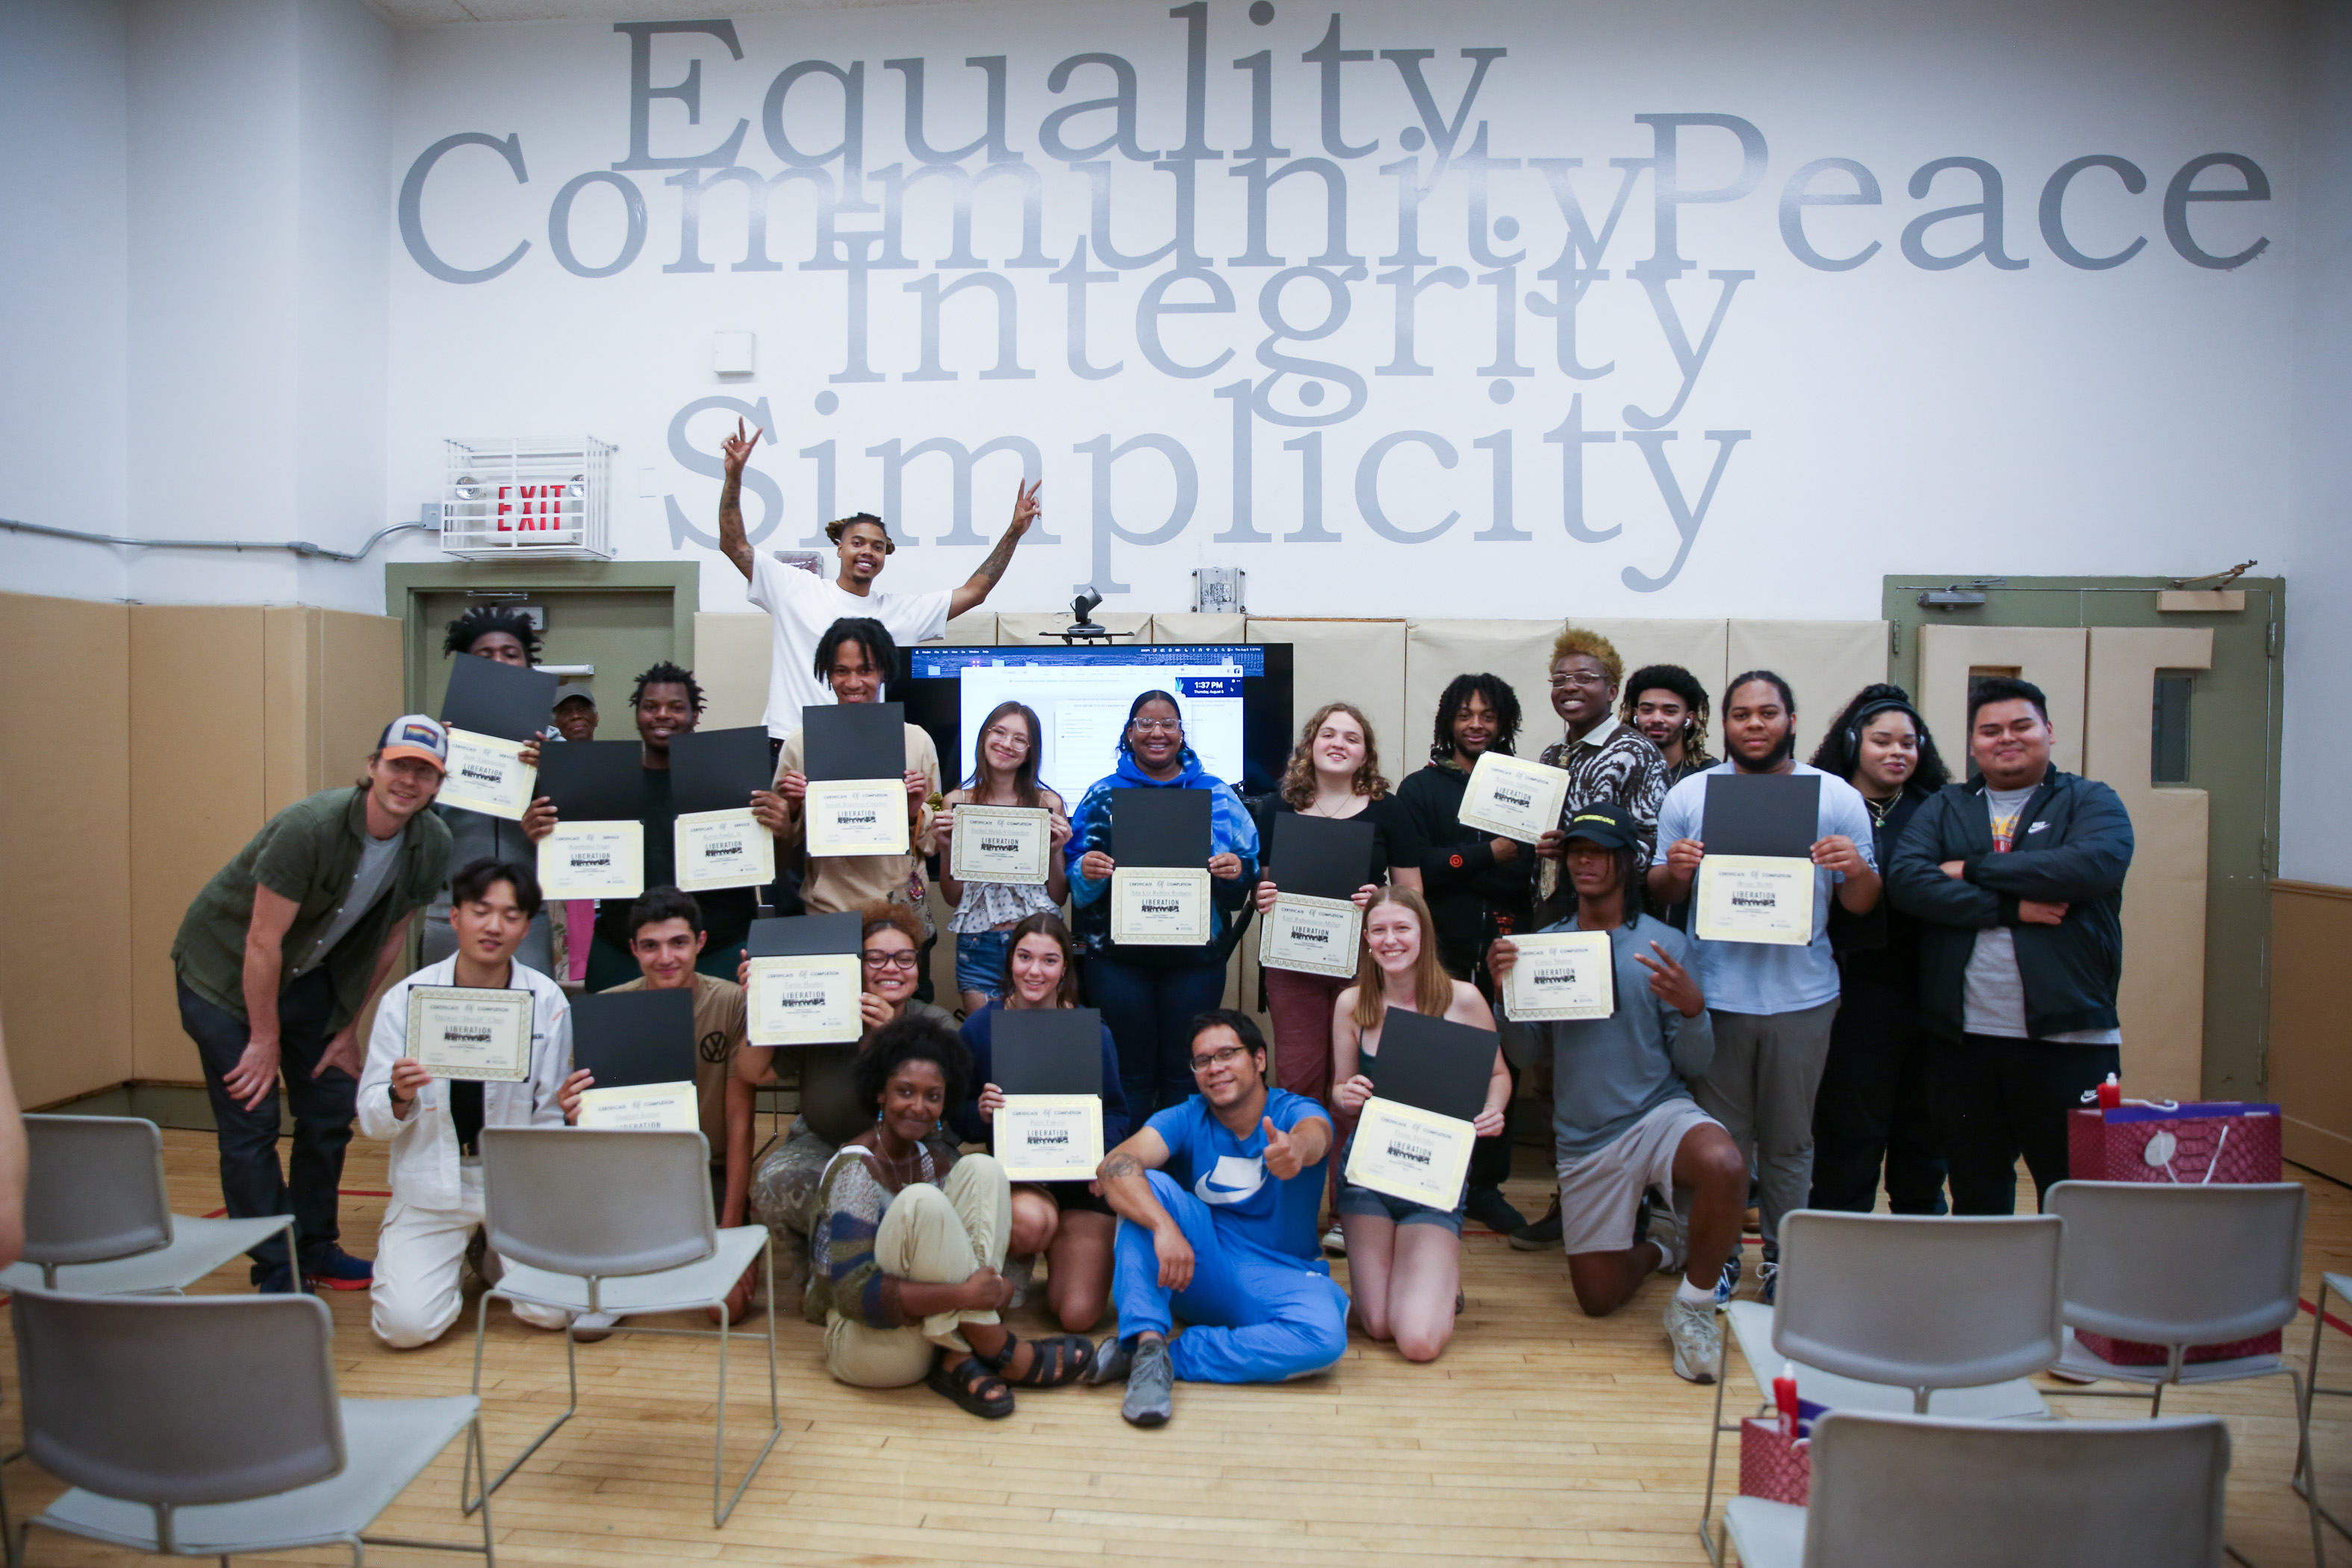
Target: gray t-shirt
x,y
1993,995
377,858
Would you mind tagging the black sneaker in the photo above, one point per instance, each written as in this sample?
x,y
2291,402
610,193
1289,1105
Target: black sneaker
x,y
1544,1233
1150,1386
277,1281
1490,1208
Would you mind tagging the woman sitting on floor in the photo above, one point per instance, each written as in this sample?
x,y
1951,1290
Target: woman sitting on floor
x,y
1404,1260
1068,1222
909,1239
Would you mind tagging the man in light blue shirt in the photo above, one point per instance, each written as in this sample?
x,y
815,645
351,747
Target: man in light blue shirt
x,y
1771,1003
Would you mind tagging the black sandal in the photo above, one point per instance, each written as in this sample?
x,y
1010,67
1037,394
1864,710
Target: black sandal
x,y
972,1384
1053,1362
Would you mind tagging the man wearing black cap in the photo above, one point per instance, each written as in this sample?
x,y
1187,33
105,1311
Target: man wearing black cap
x,y
275,958
1625,1121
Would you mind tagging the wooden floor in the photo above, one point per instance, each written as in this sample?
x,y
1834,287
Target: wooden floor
x,y
1540,1434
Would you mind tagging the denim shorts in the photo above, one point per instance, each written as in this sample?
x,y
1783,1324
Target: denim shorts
x,y
1363,1201
980,960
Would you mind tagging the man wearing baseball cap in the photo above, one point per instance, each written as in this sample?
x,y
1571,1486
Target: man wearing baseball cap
x,y
1624,1121
275,958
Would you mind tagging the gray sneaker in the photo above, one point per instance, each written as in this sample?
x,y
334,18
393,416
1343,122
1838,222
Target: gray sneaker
x,y
1150,1386
1673,1236
1698,1339
1022,1273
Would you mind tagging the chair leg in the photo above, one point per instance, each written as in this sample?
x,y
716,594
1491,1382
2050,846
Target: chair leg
x,y
473,1432
720,1512
1708,1537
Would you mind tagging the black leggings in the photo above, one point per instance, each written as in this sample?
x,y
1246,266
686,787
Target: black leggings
x,y
1997,1098
1871,1108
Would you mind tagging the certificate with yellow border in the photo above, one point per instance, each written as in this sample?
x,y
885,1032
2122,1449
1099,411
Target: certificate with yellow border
x,y
1163,906
1754,897
855,816
1049,1137
1002,844
723,849
805,999
1410,1153
466,1033
486,774
1561,975
1310,935
641,1107
1513,798
592,861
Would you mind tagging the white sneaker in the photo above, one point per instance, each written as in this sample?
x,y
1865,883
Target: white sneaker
x,y
1698,1339
1022,1273
1335,1240
587,1328
1673,1236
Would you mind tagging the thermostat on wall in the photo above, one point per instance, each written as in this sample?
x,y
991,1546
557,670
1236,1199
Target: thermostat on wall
x,y
730,353
1217,590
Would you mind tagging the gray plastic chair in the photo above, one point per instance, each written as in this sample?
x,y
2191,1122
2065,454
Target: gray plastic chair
x,y
597,1221
2306,1480
1930,1493
206,1426
2179,1266
98,1219
1901,1314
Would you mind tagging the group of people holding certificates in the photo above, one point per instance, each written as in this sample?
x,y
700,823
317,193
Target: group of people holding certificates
x,y
1698,959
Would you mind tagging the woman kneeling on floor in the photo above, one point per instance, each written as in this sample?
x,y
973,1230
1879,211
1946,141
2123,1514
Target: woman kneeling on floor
x,y
910,1240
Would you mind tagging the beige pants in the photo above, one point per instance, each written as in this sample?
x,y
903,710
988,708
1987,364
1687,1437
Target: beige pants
x,y
931,1236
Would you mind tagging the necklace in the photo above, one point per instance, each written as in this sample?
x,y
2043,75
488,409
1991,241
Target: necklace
x,y
1881,810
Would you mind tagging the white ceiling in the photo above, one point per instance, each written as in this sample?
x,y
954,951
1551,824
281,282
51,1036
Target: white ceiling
x,y
439,13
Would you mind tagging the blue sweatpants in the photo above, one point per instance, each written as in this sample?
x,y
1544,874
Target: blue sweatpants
x,y
1250,1316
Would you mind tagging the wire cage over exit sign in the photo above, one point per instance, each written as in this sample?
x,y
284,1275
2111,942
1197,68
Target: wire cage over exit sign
x,y
544,495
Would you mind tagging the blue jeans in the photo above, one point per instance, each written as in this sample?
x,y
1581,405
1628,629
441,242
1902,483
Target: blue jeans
x,y
1149,1009
251,1184
1250,1316
980,960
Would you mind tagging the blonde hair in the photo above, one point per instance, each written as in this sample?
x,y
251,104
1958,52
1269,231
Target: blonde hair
x,y
1298,778
1432,988
1593,646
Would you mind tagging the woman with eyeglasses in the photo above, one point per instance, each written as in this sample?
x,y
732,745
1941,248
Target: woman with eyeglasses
x,y
1404,1260
986,913
783,1188
1066,1222
1149,994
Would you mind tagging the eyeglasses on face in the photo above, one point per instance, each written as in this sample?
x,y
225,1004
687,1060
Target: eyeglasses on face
x,y
1156,726
1584,679
889,958
1218,1058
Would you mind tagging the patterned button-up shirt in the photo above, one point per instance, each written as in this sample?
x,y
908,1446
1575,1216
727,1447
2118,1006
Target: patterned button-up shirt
x,y
1614,762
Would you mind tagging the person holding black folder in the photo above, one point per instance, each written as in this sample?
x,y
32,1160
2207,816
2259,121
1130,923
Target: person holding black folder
x,y
433,1122
855,659
1625,1121
1772,1002
668,702
502,634
1068,1223
1404,1258
1149,993
1477,886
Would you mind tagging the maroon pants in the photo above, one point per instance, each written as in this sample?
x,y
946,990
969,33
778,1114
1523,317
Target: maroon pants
x,y
1301,1007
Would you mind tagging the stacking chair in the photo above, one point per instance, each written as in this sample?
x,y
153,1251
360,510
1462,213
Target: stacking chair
x,y
598,1221
1893,1314
2180,1267
1932,1493
2306,1461
206,1426
98,1221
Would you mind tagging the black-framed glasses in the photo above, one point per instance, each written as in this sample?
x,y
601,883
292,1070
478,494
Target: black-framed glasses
x,y
888,958
1219,1058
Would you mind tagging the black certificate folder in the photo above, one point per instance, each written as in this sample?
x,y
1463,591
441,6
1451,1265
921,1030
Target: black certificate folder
x,y
854,741
1160,828
801,936
630,1038
593,781
1433,1064
717,770
1762,814
1321,858
500,699
1047,1050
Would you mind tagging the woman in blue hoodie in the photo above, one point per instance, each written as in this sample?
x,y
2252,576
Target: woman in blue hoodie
x,y
1149,994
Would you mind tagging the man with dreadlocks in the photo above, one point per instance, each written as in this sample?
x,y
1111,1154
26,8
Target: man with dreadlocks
x,y
505,633
668,702
1625,1121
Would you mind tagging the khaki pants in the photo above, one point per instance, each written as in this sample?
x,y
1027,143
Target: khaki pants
x,y
931,1236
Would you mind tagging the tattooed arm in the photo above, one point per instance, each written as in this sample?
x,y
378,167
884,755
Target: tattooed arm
x,y
737,451
1025,512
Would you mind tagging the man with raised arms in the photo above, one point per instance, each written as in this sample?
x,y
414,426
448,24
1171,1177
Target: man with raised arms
x,y
802,606
1217,1200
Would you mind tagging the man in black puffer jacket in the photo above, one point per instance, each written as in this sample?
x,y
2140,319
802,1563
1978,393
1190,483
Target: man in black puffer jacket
x,y
2017,878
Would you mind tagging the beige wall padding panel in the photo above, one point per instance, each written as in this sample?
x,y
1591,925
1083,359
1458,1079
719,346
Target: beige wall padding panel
x,y
1360,662
2055,659
1699,646
1518,652
1034,629
973,628
2163,994
361,692
1181,626
730,660
1825,661
198,774
2310,1032
65,849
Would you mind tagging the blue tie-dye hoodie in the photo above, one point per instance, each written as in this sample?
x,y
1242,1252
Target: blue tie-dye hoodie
x,y
1231,831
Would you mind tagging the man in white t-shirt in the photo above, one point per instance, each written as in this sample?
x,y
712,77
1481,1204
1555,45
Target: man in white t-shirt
x,y
803,605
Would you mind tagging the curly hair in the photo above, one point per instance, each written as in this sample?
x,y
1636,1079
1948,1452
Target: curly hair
x,y
668,674
842,525
1458,692
915,1037
1671,677
872,918
1593,646
1840,752
870,634
1298,778
481,620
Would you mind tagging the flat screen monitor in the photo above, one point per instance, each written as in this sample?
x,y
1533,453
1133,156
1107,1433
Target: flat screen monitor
x,y
1235,698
